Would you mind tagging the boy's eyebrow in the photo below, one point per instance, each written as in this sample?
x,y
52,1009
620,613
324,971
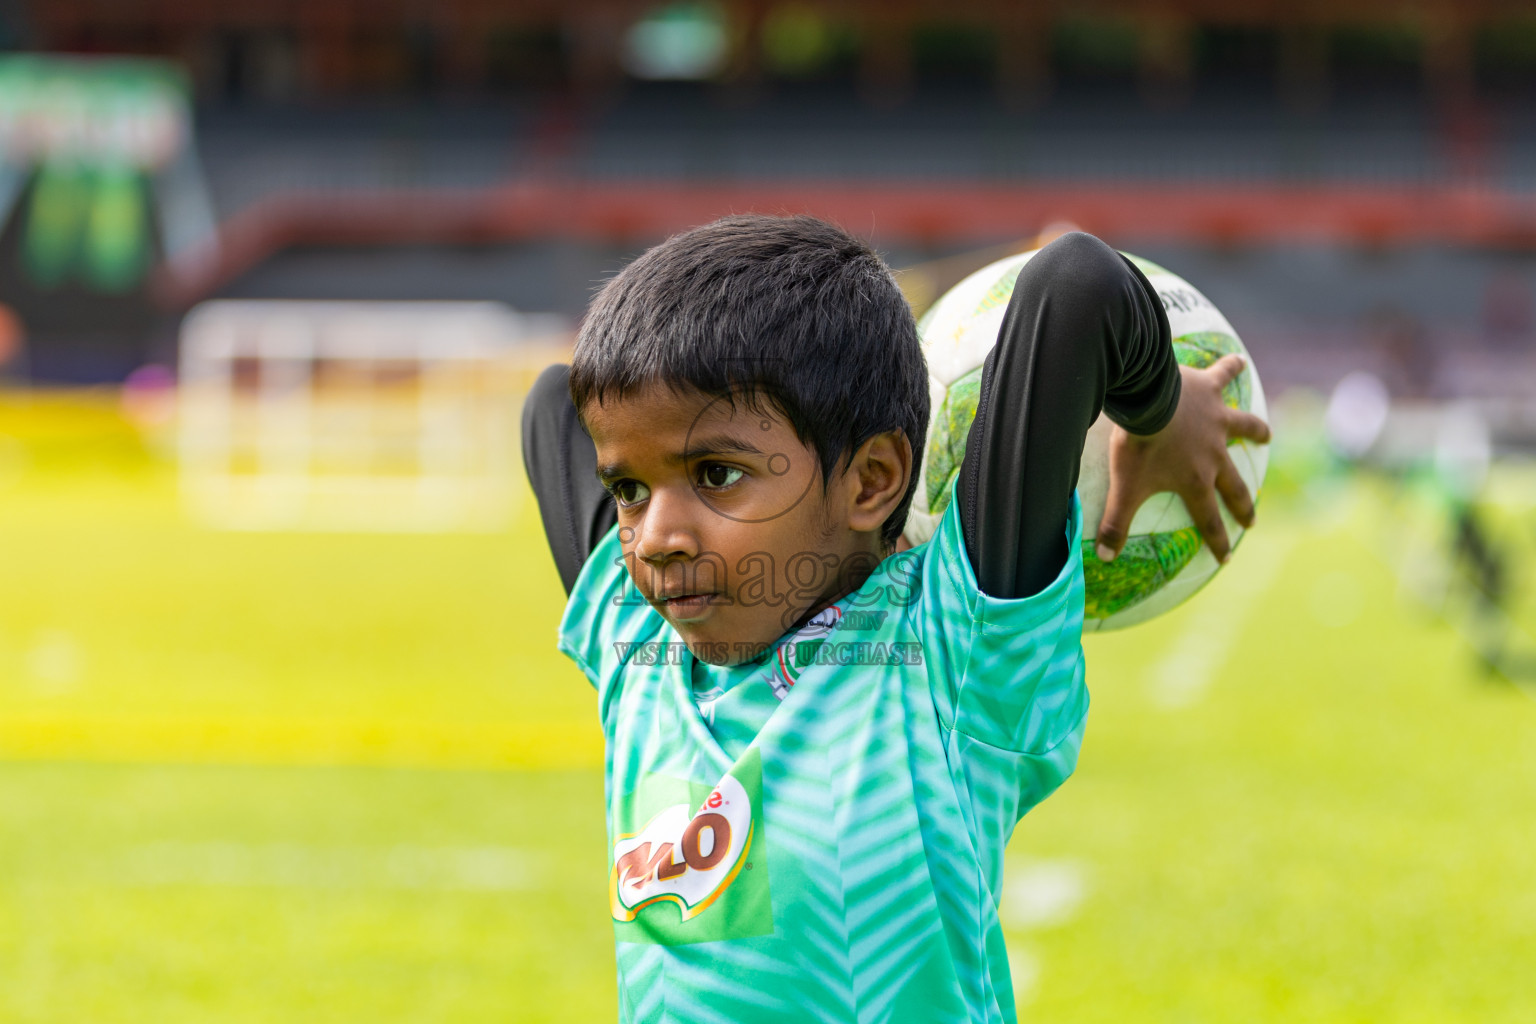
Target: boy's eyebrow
x,y
719,445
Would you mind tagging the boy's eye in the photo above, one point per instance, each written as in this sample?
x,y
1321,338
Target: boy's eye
x,y
629,492
715,476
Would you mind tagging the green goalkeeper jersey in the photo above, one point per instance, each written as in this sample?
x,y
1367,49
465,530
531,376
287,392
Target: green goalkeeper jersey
x,y
818,834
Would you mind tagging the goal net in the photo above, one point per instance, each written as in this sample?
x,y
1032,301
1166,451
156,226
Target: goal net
x,y
356,416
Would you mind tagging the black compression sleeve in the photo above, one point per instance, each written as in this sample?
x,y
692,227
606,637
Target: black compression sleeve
x,y
1084,331
562,467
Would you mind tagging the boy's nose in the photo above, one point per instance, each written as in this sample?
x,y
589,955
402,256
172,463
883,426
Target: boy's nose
x,y
666,531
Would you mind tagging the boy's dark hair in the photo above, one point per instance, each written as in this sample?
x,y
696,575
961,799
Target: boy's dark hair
x,y
791,310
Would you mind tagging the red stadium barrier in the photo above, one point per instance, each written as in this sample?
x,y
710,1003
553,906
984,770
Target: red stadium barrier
x,y
934,214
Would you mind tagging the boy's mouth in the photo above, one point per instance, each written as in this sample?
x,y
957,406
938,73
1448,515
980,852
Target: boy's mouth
x,y
686,607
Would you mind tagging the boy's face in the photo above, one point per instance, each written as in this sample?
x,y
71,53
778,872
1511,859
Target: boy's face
x,y
726,527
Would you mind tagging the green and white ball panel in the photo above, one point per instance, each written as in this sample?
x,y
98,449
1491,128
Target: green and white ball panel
x,y
1164,562
959,330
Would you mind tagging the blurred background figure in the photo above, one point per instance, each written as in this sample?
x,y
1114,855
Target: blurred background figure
x,y
1463,455
1357,414
12,346
1410,362
282,732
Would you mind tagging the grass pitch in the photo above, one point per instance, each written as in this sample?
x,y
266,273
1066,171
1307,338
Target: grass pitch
x,y
328,778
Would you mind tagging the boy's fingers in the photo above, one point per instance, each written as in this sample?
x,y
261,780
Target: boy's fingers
x,y
1227,368
1247,426
1229,484
1207,516
1119,509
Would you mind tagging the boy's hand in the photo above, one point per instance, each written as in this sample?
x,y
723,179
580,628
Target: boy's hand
x,y
1189,457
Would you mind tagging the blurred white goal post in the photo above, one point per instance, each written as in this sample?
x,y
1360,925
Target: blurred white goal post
x,y
357,416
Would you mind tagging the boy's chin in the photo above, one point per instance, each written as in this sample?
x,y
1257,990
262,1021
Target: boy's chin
x,y
722,652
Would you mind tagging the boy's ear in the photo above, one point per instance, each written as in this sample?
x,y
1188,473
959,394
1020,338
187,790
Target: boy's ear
x,y
877,479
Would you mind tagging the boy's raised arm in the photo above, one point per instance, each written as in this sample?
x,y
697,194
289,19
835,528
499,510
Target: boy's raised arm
x,y
562,467
1084,331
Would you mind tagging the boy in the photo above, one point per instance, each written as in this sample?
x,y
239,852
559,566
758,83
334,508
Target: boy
x,y
818,745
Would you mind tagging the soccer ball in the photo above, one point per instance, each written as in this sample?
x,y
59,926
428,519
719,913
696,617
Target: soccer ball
x,y
1164,560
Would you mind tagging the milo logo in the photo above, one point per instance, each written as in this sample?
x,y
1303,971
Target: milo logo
x,y
688,859
701,853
